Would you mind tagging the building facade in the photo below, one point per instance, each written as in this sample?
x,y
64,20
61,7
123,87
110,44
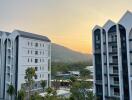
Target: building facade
x,y
112,59
18,51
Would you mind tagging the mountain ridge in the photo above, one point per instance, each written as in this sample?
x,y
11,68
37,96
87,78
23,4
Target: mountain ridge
x,y
63,54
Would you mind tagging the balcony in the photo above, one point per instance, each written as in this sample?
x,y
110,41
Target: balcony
x,y
97,41
97,51
113,63
114,73
98,82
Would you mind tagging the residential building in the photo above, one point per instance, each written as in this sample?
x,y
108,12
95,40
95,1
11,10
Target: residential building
x,y
18,51
112,59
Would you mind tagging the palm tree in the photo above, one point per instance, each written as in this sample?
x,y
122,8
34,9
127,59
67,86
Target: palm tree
x,y
11,90
43,84
49,90
30,73
21,95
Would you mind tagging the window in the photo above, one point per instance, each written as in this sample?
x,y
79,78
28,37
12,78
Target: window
x,y
48,79
35,76
115,69
28,43
31,51
97,37
31,59
116,80
36,68
28,51
43,45
40,75
36,52
40,44
40,67
36,60
116,91
40,60
40,52
48,65
36,44
43,52
28,59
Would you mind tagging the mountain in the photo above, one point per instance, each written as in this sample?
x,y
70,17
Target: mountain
x,y
63,54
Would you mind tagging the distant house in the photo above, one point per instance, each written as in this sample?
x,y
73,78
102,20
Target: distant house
x,y
74,73
91,69
67,75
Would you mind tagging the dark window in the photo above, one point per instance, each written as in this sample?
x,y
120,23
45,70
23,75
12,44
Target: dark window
x,y
28,43
36,52
36,60
48,65
116,79
28,51
115,69
35,76
36,44
36,68
116,91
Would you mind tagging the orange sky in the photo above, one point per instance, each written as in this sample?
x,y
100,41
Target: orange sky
x,y
65,22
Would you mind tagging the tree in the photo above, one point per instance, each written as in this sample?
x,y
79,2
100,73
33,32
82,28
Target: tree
x,y
49,90
36,96
30,73
80,91
72,80
43,84
21,95
11,90
85,73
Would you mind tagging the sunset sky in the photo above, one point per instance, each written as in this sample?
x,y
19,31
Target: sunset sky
x,y
65,22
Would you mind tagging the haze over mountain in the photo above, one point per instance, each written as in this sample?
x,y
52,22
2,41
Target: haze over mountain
x,y
63,54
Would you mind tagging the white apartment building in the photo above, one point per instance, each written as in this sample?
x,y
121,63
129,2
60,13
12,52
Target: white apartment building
x,y
18,51
112,59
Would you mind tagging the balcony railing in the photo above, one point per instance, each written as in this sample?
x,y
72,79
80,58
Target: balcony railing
x,y
98,81
116,94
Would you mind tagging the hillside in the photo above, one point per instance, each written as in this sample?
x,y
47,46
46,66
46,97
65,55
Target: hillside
x,y
63,54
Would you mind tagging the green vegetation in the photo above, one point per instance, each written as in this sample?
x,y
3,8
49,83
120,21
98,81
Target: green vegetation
x,y
64,67
43,84
30,73
21,95
11,90
80,90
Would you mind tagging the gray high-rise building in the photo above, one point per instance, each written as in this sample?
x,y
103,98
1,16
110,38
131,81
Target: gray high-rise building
x,y
112,59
